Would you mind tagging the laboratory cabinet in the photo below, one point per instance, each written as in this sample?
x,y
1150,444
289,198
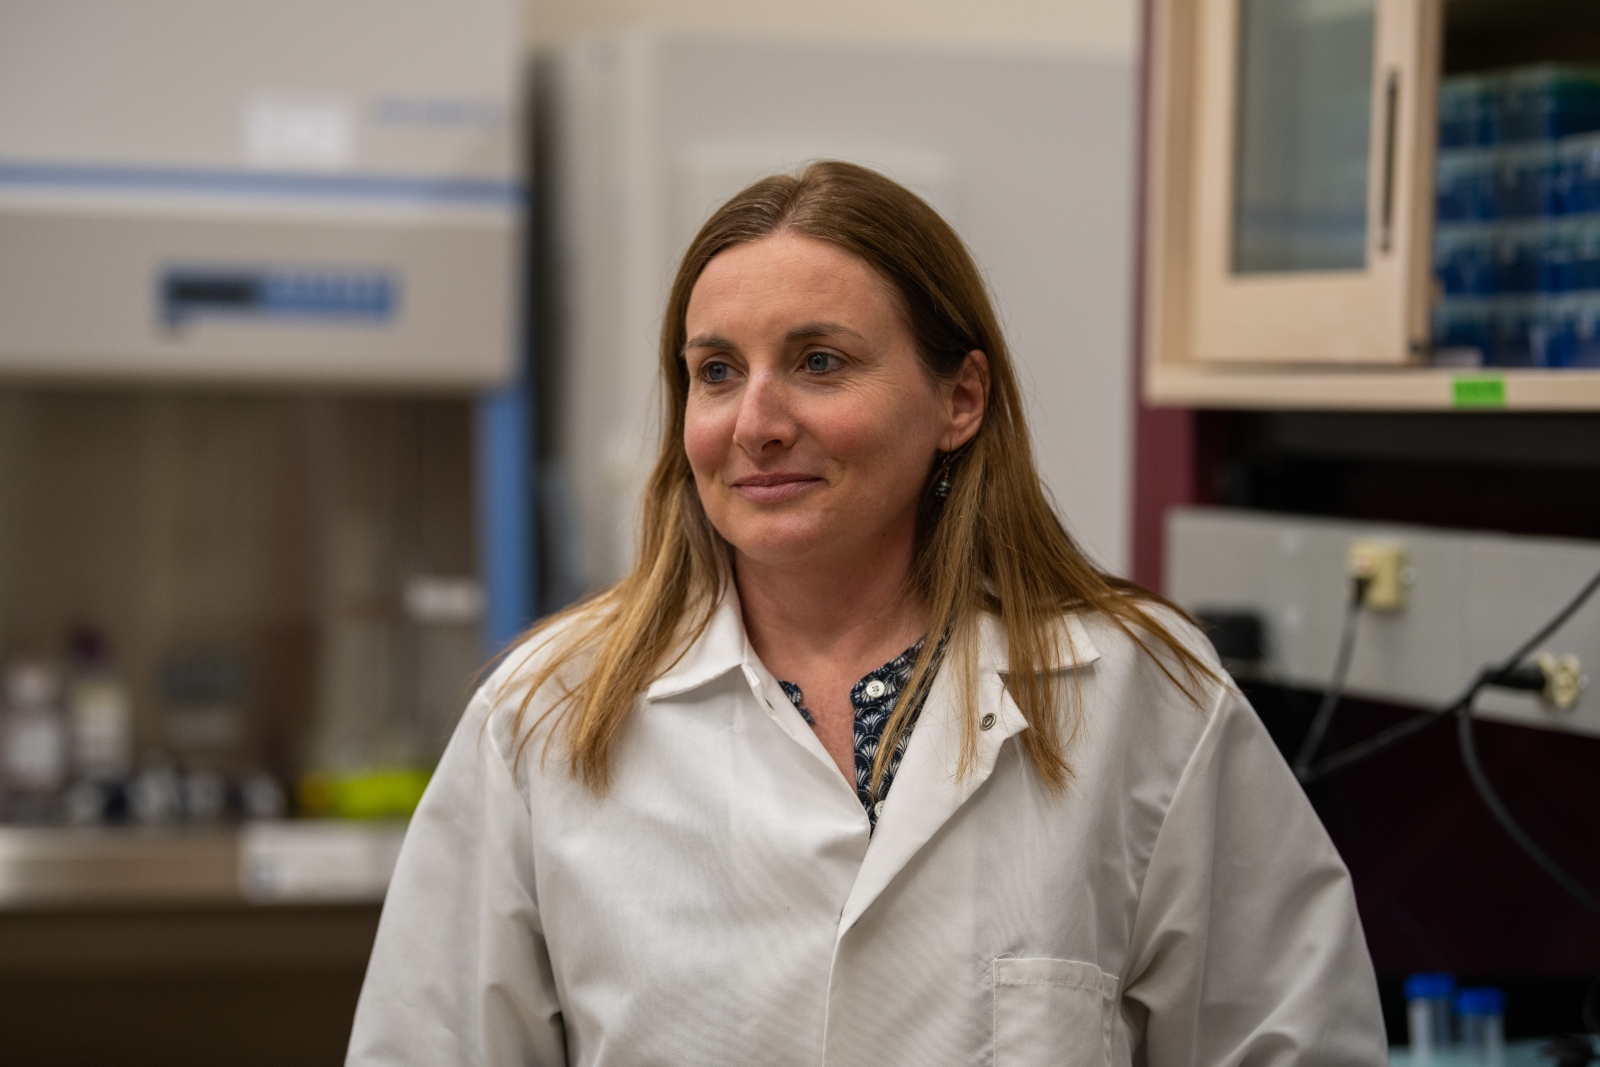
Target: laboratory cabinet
x,y
1371,204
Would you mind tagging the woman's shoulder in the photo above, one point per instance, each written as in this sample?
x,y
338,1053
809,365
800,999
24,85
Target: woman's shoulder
x,y
1153,693
530,676
1164,622
1155,643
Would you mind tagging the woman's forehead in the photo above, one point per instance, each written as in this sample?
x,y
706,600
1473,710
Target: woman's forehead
x,y
792,283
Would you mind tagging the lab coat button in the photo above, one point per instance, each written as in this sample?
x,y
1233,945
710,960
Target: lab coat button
x,y
877,809
876,689
987,721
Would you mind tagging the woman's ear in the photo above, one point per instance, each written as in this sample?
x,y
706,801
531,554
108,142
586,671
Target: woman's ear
x,y
965,399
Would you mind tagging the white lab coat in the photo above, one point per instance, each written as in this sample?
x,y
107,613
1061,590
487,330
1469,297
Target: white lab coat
x,y
725,904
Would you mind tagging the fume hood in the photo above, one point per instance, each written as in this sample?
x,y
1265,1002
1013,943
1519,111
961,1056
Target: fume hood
x,y
297,192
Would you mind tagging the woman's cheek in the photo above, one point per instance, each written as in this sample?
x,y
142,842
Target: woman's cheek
x,y
854,427
705,441
872,430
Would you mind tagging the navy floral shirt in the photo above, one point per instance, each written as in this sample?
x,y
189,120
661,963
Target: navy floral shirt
x,y
873,699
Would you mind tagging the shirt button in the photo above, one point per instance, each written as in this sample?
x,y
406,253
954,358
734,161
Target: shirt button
x,y
876,689
986,722
877,809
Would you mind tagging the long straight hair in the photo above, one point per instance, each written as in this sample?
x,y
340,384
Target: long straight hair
x,y
993,545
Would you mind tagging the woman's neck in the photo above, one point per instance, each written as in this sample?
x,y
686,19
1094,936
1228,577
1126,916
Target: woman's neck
x,y
857,611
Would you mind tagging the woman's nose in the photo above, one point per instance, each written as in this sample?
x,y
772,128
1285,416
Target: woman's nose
x,y
764,421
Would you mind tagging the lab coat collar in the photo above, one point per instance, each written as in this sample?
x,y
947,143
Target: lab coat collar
x,y
927,789
720,648
724,646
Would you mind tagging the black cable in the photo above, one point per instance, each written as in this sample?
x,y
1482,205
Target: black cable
x,y
1462,709
1373,745
1480,781
1552,626
1421,721
1335,690
1396,733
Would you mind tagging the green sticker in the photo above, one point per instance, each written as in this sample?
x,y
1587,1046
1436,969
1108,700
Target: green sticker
x,y
1479,391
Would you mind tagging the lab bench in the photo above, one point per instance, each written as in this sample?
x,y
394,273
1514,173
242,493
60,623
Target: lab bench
x,y
1522,1053
174,945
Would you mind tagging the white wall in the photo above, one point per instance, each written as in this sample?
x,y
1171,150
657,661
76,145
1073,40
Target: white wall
x,y
1095,25
1028,153
1076,369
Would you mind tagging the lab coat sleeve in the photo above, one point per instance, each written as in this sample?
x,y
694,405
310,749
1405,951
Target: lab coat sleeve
x,y
460,973
1247,947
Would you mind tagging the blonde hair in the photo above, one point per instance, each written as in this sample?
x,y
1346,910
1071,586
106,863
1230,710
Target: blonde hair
x,y
993,546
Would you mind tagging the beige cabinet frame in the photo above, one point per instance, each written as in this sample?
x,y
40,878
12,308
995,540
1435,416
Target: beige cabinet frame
x,y
1326,340
1377,314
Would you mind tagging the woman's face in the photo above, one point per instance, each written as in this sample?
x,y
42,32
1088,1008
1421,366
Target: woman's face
x,y
811,424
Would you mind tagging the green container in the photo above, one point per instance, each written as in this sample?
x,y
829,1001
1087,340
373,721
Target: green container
x,y
377,794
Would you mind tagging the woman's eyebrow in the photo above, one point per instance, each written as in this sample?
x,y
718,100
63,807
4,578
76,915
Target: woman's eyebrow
x,y
799,333
823,329
708,340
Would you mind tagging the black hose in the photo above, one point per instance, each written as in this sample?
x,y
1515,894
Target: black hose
x,y
1417,723
1480,782
1335,691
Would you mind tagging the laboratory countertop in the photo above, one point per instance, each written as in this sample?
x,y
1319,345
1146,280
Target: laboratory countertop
x,y
1521,1053
276,862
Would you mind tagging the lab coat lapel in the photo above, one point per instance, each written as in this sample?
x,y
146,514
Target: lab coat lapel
x,y
927,790
723,647
719,649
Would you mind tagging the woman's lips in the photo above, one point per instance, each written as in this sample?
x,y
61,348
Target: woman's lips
x,y
774,488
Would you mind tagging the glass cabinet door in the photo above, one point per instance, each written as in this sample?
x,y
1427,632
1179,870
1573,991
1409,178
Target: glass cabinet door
x,y
1313,180
1303,135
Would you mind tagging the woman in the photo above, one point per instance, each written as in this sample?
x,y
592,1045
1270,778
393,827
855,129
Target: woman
x,y
864,763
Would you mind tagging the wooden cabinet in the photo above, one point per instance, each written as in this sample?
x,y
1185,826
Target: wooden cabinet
x,y
1290,196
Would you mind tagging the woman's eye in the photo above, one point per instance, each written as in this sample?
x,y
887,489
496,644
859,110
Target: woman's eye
x,y
820,362
715,371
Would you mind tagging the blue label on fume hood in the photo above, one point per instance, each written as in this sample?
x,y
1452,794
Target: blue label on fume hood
x,y
318,293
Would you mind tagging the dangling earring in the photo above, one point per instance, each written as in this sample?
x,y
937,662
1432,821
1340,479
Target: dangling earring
x,y
941,485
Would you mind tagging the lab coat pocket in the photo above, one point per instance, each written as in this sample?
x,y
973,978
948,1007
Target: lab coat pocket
x,y
1052,1012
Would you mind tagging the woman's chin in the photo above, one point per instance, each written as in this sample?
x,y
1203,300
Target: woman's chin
x,y
779,547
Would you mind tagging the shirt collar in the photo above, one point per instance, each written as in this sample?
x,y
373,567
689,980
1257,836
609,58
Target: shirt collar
x,y
723,646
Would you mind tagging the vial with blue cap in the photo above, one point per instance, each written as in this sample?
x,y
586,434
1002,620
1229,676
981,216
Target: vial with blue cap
x,y
1480,1025
1428,998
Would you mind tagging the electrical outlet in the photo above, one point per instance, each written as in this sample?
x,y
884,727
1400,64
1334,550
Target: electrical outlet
x,y
1564,680
1477,596
1384,565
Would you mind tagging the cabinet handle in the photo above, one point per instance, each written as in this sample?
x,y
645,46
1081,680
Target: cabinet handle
x,y
1391,108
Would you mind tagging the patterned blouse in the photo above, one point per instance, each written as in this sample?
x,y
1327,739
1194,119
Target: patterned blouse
x,y
873,699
